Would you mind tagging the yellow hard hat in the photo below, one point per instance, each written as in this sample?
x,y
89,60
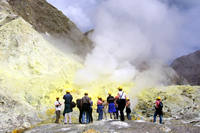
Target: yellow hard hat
x,y
159,98
119,88
109,93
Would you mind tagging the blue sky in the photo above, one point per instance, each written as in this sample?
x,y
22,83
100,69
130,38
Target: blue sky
x,y
82,13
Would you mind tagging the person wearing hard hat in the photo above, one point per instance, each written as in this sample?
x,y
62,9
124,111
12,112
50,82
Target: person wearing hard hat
x,y
100,108
105,106
158,109
116,102
90,111
122,103
68,109
111,105
128,109
79,106
58,109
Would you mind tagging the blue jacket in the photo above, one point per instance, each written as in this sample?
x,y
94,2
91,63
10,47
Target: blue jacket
x,y
68,98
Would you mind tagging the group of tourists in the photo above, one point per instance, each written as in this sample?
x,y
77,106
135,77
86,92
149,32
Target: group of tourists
x,y
113,105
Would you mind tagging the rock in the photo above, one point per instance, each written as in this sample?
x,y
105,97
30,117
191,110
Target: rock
x,y
45,18
172,98
109,127
24,66
188,67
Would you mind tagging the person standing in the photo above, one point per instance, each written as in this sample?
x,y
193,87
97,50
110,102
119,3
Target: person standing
x,y
128,109
100,108
105,106
90,111
122,103
86,108
68,109
58,109
111,105
158,109
116,107
79,105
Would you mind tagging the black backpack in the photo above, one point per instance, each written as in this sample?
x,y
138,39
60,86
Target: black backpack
x,y
160,106
78,102
73,104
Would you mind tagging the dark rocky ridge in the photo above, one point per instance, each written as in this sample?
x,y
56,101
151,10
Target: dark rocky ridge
x,y
188,67
45,18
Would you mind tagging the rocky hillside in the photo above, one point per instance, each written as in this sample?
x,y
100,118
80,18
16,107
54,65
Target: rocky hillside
x,y
32,71
47,19
172,97
188,67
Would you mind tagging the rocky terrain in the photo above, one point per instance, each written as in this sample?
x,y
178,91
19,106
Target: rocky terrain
x,y
110,126
181,114
188,67
47,19
31,69
180,102
33,72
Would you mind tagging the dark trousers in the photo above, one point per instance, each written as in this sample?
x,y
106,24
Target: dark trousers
x,y
80,115
57,116
128,113
160,115
121,107
116,113
128,116
90,115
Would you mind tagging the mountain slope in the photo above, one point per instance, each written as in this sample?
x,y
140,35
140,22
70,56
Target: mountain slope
x,y
45,18
32,71
188,67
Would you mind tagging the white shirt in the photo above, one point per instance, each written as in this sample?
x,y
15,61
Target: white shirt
x,y
59,107
121,95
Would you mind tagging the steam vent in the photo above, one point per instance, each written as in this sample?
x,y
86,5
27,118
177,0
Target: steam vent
x,y
95,66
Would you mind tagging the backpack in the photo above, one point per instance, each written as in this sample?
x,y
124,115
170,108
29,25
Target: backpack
x,y
73,104
79,102
160,106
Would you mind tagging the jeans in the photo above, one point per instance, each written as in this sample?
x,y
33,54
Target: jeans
x,y
128,116
100,111
155,115
100,117
87,117
128,113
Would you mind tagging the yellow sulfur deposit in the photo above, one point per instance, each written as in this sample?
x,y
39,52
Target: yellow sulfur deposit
x,y
34,73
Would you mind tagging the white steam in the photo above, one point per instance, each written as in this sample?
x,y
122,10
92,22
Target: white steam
x,y
128,33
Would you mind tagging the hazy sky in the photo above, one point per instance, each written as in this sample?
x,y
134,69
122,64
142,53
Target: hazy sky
x,y
82,13
79,11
